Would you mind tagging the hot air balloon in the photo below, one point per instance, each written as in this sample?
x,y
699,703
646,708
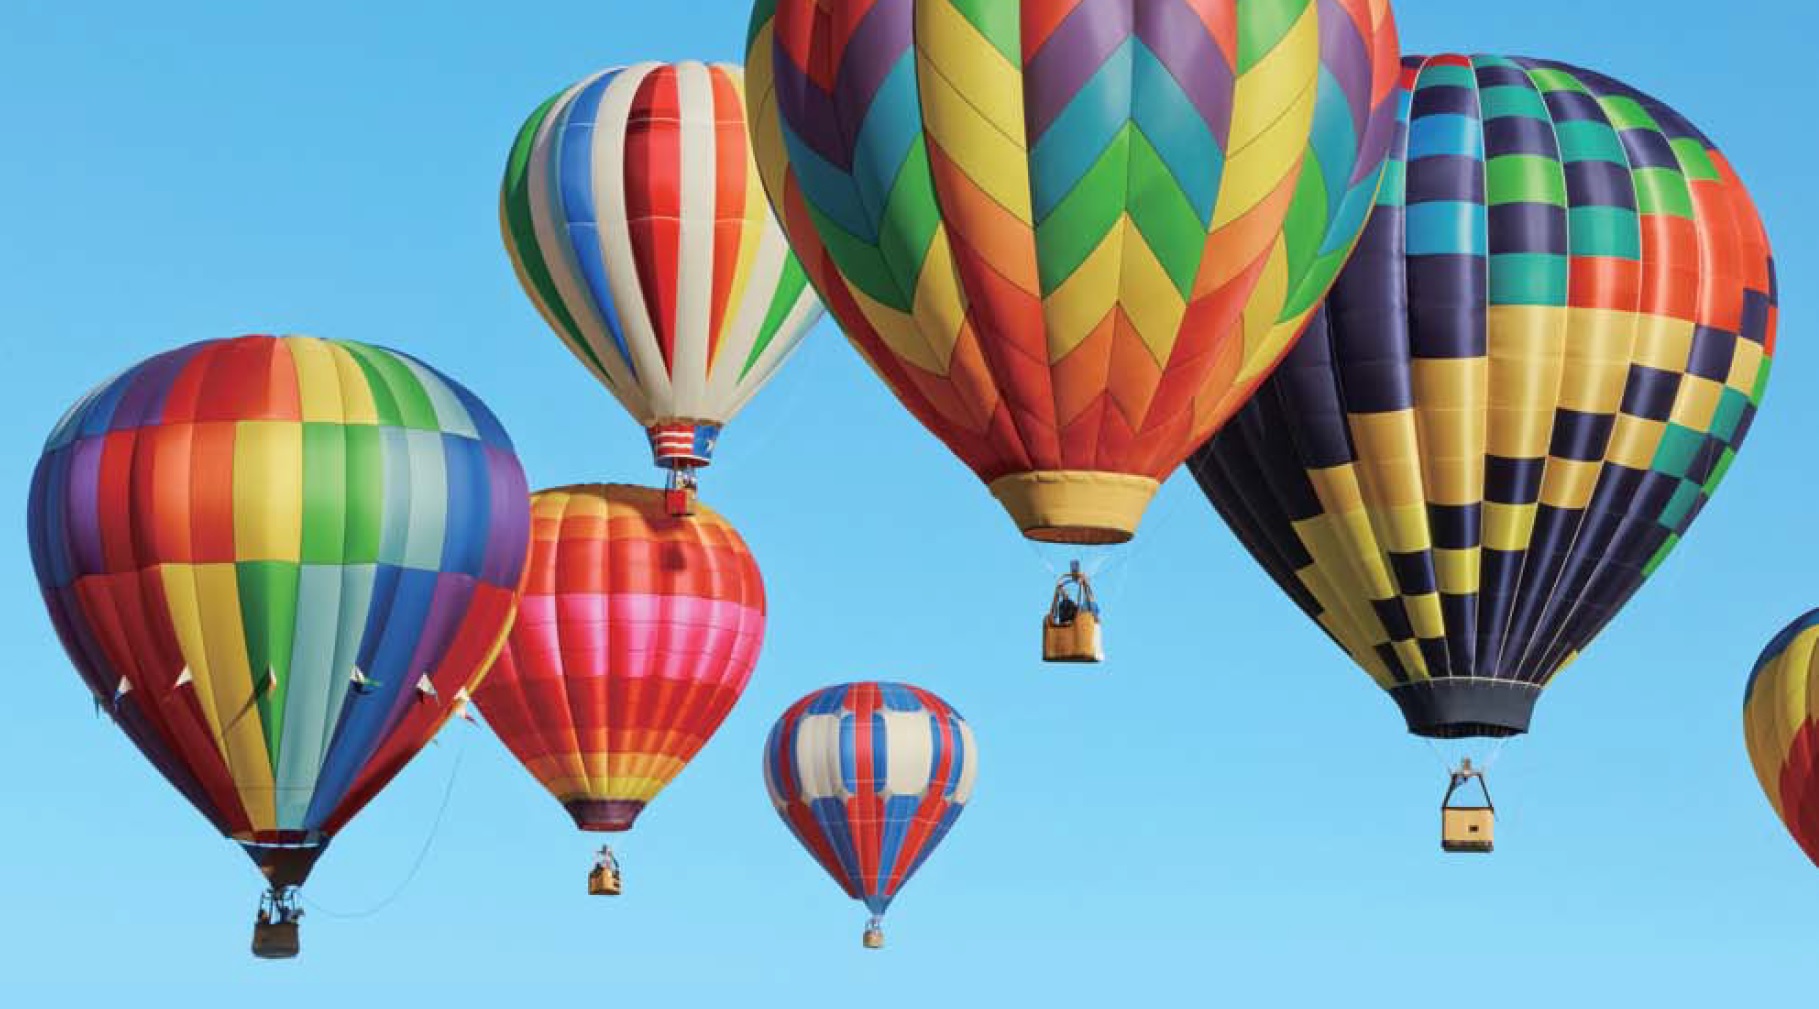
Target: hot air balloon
x,y
635,636
1522,390
635,221
279,563
1781,728
870,777
1071,237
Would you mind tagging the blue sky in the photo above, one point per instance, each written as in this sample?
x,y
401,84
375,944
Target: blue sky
x,y
1225,812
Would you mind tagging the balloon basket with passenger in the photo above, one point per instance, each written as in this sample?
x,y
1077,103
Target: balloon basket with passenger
x,y
603,879
275,933
1071,630
1467,829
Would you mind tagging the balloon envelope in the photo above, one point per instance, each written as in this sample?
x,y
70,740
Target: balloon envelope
x,y
870,777
1781,729
635,636
277,561
1071,237
635,221
1521,392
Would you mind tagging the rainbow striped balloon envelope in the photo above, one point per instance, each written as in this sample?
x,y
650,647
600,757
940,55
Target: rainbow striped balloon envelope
x,y
636,635
1521,392
1072,235
1781,728
870,777
635,221
279,562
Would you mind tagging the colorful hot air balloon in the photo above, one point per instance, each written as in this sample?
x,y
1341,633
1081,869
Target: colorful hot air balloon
x,y
636,634
869,777
279,562
1072,236
1781,728
1522,390
635,220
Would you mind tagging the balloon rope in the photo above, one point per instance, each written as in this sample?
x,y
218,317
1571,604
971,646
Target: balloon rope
x,y
448,792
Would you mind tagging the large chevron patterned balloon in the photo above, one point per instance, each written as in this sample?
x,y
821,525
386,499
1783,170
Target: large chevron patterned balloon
x,y
1072,235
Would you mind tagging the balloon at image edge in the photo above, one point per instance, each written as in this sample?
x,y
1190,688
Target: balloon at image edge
x,y
635,221
279,563
1071,238
637,631
870,777
1781,729
1521,391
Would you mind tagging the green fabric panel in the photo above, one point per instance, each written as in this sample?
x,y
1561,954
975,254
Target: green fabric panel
x,y
1529,278
790,286
1304,229
1261,26
1584,140
911,218
1728,456
1626,114
366,494
1522,178
1695,160
1549,79
860,263
268,614
414,408
1076,226
1604,231
1663,192
325,493
1511,100
998,22
521,233
1768,363
1163,215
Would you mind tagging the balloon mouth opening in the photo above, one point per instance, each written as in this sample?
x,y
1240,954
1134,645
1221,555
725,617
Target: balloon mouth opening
x,y
604,815
285,863
1467,708
1083,536
1076,507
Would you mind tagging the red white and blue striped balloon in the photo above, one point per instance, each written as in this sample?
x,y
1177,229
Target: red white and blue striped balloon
x,y
635,219
870,777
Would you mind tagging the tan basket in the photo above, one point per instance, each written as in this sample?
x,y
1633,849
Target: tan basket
x,y
874,939
1076,638
603,882
1467,828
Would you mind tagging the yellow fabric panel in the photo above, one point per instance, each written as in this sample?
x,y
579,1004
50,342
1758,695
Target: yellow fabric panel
x,y
1781,704
1413,662
1148,297
1634,441
1353,632
268,491
1597,359
1260,314
1457,572
1337,488
1746,365
1450,397
357,405
939,307
1402,529
1663,344
1696,402
1082,302
1507,527
1526,359
205,610
899,332
318,381
1389,469
1272,111
1425,616
1568,483
972,106
1352,579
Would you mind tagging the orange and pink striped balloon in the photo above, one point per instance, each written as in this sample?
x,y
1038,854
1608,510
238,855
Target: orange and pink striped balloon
x,y
636,634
